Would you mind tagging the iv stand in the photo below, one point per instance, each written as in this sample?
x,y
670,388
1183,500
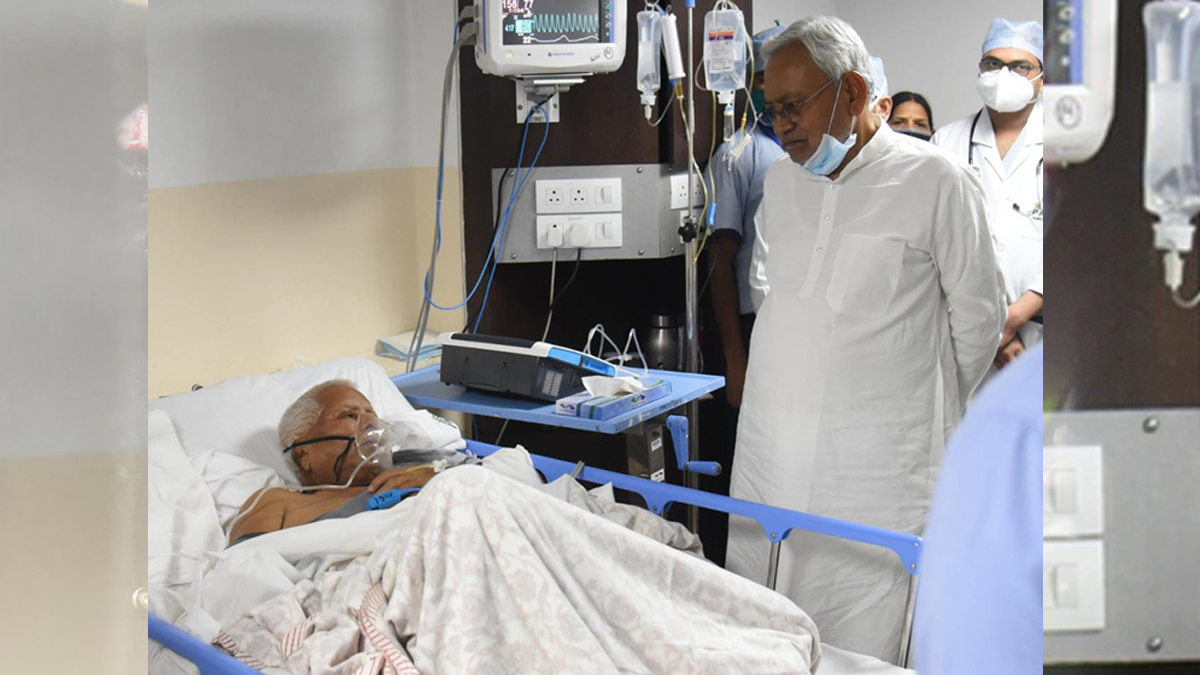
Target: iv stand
x,y
691,301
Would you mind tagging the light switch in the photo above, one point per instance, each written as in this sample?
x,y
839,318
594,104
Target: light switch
x,y
1072,492
1065,586
1063,492
1073,586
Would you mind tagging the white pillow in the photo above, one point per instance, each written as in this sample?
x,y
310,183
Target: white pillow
x,y
240,416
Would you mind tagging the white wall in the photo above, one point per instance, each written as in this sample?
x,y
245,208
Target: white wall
x,y
928,46
247,89
767,12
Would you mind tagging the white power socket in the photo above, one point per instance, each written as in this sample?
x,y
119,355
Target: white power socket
x,y
593,230
679,191
585,195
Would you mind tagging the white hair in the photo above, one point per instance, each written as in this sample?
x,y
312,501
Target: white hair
x,y
301,415
834,46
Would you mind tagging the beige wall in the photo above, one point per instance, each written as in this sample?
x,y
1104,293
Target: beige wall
x,y
74,553
256,276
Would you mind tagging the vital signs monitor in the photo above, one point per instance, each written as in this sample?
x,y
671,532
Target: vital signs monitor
x,y
1080,85
537,38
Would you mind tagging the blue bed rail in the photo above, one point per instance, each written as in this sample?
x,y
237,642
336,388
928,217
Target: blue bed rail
x,y
210,660
777,524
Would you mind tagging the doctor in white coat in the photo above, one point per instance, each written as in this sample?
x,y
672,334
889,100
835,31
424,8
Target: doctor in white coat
x,y
882,306
1003,144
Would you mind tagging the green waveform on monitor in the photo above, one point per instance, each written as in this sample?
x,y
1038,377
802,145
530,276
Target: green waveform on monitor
x,y
566,23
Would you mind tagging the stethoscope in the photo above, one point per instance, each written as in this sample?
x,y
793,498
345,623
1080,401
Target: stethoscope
x,y
1034,213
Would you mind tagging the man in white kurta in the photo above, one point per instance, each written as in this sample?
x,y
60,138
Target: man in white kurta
x,y
883,310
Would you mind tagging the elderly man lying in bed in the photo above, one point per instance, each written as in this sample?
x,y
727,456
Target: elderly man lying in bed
x,y
485,573
321,432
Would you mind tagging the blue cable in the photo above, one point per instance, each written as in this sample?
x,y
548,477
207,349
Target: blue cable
x,y
501,230
502,226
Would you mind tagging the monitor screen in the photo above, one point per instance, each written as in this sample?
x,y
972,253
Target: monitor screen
x,y
1064,64
557,22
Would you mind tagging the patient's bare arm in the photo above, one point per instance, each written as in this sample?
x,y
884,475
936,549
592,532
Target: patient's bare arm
x,y
399,479
267,515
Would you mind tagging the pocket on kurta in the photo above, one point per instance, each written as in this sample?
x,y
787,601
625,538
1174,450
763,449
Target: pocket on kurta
x,y
866,274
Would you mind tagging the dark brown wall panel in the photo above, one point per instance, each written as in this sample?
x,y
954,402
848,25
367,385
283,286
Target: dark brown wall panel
x,y
1115,339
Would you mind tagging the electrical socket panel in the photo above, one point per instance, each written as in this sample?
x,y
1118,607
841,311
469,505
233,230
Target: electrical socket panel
x,y
593,230
591,195
679,191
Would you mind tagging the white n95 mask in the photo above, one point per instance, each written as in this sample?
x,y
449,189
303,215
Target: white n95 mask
x,y
1005,91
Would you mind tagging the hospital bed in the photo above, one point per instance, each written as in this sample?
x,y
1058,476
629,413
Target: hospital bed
x,y
777,523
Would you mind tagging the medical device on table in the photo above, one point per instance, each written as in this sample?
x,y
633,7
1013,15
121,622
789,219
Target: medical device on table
x,y
536,370
1171,175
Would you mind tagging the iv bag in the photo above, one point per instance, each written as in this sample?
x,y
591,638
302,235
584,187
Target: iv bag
x,y
725,52
1171,178
649,43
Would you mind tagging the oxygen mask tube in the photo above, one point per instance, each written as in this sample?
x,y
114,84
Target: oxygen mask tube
x,y
378,438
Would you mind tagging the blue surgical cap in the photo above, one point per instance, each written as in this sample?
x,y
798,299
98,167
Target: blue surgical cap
x,y
1004,33
879,88
759,41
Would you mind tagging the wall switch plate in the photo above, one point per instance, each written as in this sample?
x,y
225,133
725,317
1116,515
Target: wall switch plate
x,y
1072,492
1073,586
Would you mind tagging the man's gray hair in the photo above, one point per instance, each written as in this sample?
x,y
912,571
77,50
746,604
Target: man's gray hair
x,y
301,415
835,47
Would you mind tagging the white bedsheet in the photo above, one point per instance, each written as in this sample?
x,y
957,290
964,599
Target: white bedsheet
x,y
836,661
478,570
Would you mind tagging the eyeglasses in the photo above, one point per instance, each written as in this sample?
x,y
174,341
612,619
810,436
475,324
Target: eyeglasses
x,y
792,112
991,64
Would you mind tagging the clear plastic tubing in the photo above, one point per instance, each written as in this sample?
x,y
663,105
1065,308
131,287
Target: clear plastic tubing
x,y
649,77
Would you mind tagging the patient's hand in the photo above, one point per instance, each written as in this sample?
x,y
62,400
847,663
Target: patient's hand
x,y
398,479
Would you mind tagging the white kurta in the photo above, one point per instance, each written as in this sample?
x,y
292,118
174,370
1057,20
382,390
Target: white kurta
x,y
884,310
1018,238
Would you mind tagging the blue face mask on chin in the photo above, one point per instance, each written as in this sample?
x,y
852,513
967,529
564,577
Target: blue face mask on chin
x,y
831,152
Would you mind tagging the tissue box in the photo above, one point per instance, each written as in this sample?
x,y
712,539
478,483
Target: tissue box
x,y
606,407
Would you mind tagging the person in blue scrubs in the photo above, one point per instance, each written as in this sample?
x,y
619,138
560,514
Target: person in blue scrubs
x,y
979,603
738,186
